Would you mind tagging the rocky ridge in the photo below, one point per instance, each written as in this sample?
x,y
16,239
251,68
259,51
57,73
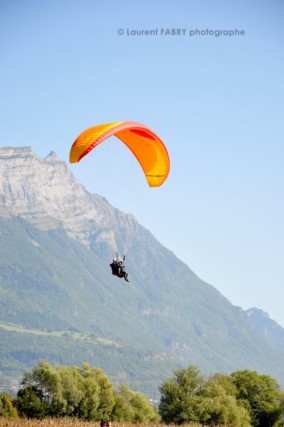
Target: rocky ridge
x,y
59,201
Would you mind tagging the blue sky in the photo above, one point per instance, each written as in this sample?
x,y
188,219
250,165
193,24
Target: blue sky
x,y
217,103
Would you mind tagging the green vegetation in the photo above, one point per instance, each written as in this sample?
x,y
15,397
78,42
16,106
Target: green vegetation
x,y
242,399
84,393
7,408
141,371
261,396
59,302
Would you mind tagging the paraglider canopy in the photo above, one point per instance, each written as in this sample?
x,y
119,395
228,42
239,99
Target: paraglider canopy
x,y
146,146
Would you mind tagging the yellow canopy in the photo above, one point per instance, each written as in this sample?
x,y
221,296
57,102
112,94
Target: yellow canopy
x,y
146,146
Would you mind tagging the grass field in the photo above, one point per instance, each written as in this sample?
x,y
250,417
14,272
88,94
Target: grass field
x,y
52,422
74,335
22,422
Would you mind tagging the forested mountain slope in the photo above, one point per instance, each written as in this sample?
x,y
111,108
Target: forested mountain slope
x,y
60,302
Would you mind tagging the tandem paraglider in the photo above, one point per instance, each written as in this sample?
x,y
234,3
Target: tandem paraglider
x,y
145,145
118,267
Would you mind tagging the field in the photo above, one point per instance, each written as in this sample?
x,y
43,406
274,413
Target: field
x,y
49,422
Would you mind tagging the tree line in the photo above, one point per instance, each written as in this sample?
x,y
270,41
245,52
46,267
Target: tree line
x,y
242,399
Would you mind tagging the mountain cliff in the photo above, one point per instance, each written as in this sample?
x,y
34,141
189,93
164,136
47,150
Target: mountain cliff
x,y
46,193
60,302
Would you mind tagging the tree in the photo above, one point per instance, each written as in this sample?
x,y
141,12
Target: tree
x,y
30,403
143,412
220,407
226,382
59,391
261,396
98,399
106,395
188,398
133,407
71,381
6,406
280,420
89,403
44,386
123,410
181,397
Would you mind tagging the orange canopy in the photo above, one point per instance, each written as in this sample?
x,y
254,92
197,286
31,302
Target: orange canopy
x,y
146,146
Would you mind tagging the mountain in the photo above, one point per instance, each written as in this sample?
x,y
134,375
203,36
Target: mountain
x,y
266,326
60,302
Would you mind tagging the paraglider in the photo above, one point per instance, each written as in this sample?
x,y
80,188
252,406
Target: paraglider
x,y
118,267
146,146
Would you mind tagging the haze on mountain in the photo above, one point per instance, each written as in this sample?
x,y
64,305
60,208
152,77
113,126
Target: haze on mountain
x,y
59,301
267,326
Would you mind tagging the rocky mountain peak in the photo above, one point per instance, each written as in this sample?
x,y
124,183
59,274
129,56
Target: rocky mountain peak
x,y
46,193
16,152
52,157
